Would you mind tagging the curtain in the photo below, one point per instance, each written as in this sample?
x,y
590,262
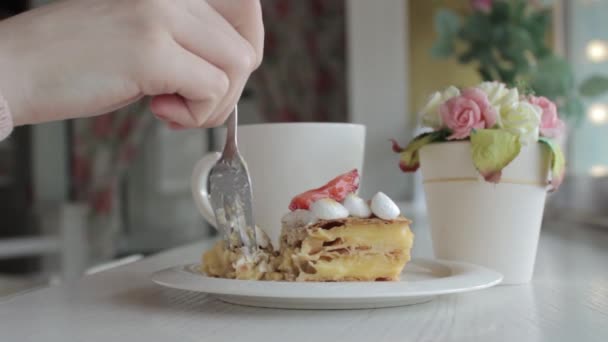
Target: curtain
x,y
102,151
303,76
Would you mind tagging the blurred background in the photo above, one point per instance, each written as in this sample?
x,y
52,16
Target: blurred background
x,y
81,196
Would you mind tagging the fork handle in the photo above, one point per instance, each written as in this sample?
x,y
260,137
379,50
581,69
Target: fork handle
x,y
230,148
200,188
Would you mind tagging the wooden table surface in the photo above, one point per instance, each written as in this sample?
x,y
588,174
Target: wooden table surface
x,y
567,301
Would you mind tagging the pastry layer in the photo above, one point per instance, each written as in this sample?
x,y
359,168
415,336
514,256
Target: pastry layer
x,y
349,249
223,263
333,250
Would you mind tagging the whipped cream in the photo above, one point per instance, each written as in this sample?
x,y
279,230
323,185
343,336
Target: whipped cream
x,y
297,218
261,238
328,209
384,207
356,206
242,261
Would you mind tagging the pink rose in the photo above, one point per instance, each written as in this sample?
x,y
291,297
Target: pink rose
x,y
471,110
482,5
550,124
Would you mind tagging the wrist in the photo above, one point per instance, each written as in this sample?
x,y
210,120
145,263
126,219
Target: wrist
x,y
6,119
6,115
12,79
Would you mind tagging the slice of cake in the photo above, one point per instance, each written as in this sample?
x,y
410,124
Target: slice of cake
x,y
330,234
222,262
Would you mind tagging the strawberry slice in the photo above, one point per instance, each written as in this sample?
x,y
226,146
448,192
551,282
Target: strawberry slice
x,y
336,189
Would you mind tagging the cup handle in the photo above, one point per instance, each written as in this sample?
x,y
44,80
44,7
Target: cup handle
x,y
199,185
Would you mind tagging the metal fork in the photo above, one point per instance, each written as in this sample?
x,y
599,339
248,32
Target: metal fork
x,y
230,194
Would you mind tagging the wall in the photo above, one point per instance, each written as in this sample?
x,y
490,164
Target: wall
x,y
426,73
378,87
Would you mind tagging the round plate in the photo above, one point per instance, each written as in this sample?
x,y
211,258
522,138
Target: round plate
x,y
421,280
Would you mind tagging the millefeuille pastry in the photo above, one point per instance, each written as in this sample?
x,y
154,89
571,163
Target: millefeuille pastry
x,y
222,262
330,234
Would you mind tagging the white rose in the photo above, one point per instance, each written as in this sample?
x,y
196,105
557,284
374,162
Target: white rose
x,y
430,111
523,120
499,96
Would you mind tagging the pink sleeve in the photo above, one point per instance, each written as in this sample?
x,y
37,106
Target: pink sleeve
x,y
6,120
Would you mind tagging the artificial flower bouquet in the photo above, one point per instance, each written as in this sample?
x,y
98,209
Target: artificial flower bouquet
x,y
508,138
497,120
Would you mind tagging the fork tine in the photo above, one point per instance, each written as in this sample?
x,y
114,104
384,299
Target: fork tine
x,y
231,195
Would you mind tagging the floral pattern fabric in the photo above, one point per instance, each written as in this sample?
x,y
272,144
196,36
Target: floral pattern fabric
x,y
104,147
303,76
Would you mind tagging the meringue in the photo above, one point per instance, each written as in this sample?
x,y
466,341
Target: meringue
x,y
356,206
384,207
328,209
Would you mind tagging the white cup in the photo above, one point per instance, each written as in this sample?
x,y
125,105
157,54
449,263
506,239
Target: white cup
x,y
284,160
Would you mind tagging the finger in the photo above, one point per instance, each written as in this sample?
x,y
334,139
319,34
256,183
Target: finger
x,y
204,32
246,17
220,45
218,118
176,127
221,115
172,109
214,122
197,86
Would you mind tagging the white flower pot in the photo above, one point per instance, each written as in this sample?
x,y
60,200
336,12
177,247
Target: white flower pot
x,y
494,225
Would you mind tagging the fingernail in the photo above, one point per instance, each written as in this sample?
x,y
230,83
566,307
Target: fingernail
x,y
161,117
175,126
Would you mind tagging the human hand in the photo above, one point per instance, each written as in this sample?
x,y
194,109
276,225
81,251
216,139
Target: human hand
x,y
80,58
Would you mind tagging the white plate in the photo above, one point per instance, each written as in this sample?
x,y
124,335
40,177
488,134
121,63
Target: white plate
x,y
421,281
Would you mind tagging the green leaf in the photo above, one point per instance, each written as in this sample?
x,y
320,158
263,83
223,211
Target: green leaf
x,y
410,160
524,88
558,163
594,86
507,75
442,48
447,23
500,11
519,38
552,77
477,28
486,74
518,10
467,56
492,150
537,24
485,56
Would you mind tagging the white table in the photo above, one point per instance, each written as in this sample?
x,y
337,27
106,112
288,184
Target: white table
x,y
567,301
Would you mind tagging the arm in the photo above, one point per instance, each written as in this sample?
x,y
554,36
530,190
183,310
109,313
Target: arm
x,y
83,58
